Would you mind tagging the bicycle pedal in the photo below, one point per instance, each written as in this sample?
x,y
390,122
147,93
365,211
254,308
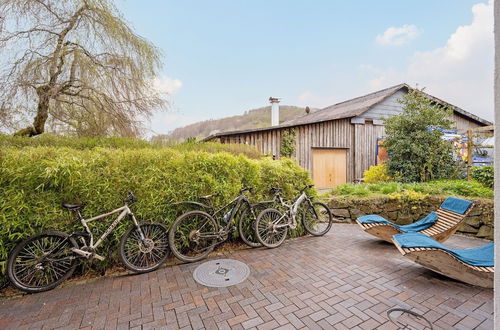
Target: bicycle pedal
x,y
98,257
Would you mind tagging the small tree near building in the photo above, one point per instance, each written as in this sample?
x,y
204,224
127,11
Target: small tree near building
x,y
414,141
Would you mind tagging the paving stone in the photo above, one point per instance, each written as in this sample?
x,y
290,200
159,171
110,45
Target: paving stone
x,y
344,280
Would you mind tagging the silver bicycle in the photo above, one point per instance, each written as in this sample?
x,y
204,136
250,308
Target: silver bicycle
x,y
44,261
272,226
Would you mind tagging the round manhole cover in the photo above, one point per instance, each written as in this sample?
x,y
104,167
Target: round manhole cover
x,y
221,272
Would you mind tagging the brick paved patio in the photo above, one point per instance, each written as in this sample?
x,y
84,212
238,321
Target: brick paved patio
x,y
346,279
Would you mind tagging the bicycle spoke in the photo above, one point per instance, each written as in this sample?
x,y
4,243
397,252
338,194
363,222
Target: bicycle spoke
x,y
269,229
317,218
42,262
194,236
145,254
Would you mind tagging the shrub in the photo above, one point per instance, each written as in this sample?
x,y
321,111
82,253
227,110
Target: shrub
x,y
287,146
408,196
35,180
81,143
484,175
417,152
377,173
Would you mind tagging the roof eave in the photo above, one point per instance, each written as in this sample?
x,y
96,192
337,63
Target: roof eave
x,y
270,128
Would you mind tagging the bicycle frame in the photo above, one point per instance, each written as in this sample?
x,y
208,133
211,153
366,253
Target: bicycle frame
x,y
235,205
125,210
292,211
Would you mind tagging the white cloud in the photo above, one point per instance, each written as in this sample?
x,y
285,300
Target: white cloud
x,y
167,85
164,122
398,35
460,72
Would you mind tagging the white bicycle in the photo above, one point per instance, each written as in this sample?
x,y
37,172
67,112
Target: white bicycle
x,y
271,227
44,261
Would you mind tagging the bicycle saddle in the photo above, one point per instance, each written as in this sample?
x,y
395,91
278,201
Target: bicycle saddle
x,y
72,207
206,197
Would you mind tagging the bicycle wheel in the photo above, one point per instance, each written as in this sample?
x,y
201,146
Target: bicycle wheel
x,y
317,218
271,228
146,255
193,236
42,262
246,228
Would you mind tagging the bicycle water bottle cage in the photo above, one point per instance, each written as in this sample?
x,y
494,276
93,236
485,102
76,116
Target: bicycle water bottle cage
x,y
226,216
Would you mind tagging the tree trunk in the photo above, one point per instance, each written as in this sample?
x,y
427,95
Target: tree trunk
x,y
42,114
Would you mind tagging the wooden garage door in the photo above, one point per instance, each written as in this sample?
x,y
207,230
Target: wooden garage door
x,y
329,167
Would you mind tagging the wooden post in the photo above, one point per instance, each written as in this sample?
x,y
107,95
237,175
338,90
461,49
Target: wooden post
x,y
470,150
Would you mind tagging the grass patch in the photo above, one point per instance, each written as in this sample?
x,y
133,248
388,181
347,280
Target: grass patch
x,y
462,188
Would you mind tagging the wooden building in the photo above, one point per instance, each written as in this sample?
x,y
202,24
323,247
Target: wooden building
x,y
338,143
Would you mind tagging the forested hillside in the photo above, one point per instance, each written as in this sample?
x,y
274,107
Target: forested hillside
x,y
254,118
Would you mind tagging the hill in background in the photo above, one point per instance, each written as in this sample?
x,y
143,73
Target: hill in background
x,y
254,118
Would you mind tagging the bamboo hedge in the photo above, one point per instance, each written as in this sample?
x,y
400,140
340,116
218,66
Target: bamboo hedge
x,y
34,181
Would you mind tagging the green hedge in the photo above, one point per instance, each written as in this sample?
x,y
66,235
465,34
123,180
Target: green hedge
x,y
53,140
34,181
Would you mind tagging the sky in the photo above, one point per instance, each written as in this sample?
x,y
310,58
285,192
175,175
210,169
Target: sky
x,y
224,57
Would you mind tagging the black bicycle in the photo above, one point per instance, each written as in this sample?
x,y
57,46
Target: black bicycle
x,y
44,261
195,234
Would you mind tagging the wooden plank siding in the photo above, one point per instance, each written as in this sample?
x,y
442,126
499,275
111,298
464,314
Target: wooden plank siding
x,y
387,108
463,123
365,147
328,134
358,139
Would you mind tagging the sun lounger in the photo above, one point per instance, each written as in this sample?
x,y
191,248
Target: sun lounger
x,y
439,225
474,266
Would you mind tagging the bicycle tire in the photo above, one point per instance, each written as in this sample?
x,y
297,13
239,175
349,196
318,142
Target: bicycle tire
x,y
267,236
324,224
246,229
177,235
40,268
142,257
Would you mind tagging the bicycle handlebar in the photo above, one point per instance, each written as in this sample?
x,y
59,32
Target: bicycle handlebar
x,y
242,190
307,187
130,198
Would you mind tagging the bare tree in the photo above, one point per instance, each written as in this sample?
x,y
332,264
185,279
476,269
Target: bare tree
x,y
76,64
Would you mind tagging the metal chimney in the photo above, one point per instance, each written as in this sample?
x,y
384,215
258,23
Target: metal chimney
x,y
275,111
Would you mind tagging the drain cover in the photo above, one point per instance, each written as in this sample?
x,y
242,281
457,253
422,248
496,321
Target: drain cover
x,y
221,273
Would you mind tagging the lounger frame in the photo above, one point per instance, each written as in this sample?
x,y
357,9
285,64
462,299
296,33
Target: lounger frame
x,y
447,264
445,226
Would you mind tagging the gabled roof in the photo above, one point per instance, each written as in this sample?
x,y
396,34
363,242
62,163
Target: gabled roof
x,y
347,109
352,108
